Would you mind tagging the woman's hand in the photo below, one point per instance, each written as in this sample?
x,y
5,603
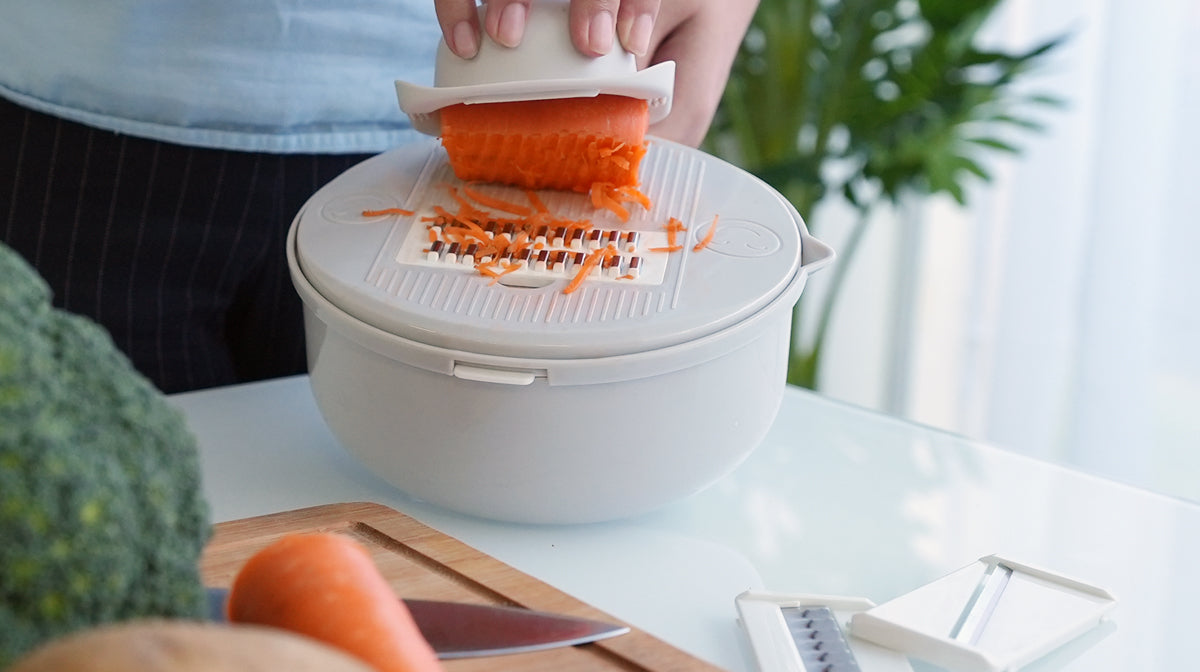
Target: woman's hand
x,y
701,36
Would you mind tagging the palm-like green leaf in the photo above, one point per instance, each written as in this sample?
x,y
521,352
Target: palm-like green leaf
x,y
871,100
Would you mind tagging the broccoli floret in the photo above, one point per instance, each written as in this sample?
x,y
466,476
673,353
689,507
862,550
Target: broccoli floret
x,y
102,517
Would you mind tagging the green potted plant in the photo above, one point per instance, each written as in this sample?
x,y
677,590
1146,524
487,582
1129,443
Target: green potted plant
x,y
870,101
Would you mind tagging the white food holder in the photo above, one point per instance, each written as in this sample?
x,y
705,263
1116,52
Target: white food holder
x,y
513,400
545,66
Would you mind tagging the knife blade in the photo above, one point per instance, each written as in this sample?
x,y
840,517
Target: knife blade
x,y
464,630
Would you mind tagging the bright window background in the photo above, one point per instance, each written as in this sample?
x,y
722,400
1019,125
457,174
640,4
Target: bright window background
x,y
1059,314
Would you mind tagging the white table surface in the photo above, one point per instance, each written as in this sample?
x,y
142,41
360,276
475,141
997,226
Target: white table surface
x,y
837,500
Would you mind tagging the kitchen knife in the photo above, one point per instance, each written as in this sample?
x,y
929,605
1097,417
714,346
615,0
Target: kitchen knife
x,y
463,630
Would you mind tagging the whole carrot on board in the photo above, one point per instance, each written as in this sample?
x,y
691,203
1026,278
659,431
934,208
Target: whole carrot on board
x,y
565,143
326,586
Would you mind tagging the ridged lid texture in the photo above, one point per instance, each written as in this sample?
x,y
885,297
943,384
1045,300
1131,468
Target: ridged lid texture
x,y
424,276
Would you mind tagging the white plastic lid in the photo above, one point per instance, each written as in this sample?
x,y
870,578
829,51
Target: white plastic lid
x,y
545,65
380,269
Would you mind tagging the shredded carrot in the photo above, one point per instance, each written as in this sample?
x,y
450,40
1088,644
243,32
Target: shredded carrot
x,y
443,214
596,192
615,206
500,244
462,234
631,194
501,236
466,209
388,211
536,201
520,242
490,271
590,262
466,222
602,195
673,227
496,203
708,237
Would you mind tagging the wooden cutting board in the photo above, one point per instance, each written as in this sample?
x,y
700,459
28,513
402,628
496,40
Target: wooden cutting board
x,y
422,563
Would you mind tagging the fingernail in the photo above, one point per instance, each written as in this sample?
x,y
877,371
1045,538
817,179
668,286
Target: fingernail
x,y
636,36
512,25
600,33
463,40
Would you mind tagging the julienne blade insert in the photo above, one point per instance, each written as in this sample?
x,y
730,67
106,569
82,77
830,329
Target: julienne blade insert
x,y
551,251
819,639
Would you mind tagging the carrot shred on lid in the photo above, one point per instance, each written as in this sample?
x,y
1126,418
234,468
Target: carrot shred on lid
x,y
708,236
602,195
388,211
633,195
495,203
536,201
674,226
521,242
462,234
592,260
501,243
489,270
502,236
462,219
466,209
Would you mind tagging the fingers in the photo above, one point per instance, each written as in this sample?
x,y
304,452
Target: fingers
x,y
460,26
701,36
597,25
504,21
635,25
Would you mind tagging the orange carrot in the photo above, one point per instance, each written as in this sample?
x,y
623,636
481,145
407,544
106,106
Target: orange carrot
x,y
708,236
327,587
568,143
388,211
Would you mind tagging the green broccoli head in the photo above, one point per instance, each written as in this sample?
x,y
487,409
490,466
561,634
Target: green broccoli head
x,y
102,517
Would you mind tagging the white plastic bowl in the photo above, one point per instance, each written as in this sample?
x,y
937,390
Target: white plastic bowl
x,y
526,404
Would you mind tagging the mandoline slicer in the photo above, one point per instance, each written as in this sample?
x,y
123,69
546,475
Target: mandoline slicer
x,y
994,615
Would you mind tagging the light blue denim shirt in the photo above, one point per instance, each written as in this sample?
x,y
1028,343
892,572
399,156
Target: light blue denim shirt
x,y
257,75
